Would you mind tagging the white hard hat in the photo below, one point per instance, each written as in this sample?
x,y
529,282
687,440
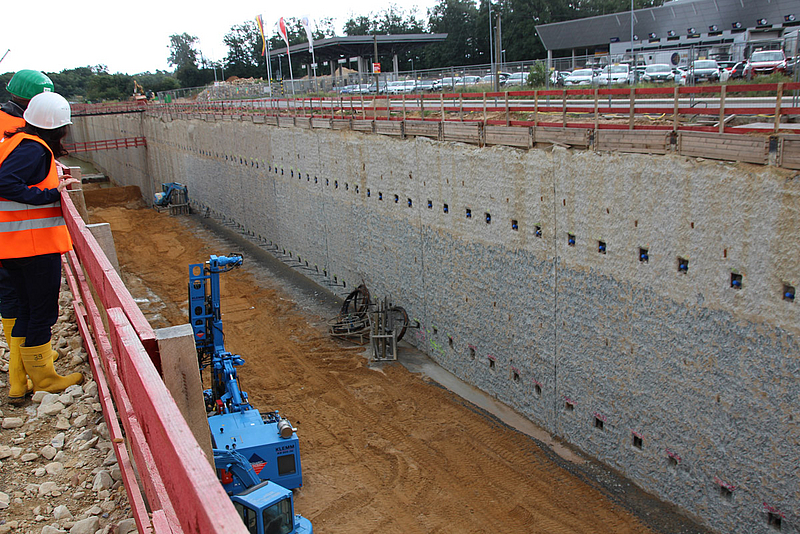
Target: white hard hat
x,y
48,111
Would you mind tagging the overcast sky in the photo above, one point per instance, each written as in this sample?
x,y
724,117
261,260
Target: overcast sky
x,y
133,37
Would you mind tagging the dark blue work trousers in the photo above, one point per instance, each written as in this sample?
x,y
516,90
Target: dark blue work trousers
x,y
8,297
37,282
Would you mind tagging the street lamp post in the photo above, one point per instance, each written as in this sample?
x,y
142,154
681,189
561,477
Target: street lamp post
x,y
413,75
495,75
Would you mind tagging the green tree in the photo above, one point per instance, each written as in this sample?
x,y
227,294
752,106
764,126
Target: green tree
x,y
244,57
72,83
459,20
191,76
104,87
182,52
159,81
392,20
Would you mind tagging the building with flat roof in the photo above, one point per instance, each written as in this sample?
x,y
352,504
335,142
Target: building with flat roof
x,y
677,32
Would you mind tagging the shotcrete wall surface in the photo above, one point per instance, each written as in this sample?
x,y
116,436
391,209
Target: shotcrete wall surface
x,y
685,384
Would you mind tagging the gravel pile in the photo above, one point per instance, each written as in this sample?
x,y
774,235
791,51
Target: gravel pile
x,y
58,471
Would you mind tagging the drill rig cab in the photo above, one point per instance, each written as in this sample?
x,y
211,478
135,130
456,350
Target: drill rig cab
x,y
265,507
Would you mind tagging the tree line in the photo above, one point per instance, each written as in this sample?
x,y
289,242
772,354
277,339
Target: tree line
x,y
465,21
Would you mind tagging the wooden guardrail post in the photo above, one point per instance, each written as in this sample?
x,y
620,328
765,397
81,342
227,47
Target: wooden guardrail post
x,y
778,99
563,108
675,111
441,102
508,113
102,234
182,378
632,109
722,92
596,108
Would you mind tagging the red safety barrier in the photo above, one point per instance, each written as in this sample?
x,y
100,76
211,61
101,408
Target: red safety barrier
x,y
181,490
106,144
634,108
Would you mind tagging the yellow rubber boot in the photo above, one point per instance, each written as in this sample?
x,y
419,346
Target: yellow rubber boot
x,y
18,384
38,363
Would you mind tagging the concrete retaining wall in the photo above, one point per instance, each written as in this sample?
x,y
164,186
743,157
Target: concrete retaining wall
x,y
687,385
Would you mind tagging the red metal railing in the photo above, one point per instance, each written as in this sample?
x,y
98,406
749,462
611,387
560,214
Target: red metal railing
x,y
106,144
181,490
635,108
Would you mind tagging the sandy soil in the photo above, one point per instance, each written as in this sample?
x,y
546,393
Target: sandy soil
x,y
383,451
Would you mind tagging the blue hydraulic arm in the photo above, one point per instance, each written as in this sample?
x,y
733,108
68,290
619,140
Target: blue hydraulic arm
x,y
205,315
237,465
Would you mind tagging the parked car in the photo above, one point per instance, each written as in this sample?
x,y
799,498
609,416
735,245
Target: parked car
x,y
470,80
765,62
448,83
401,87
518,78
557,77
737,71
679,74
489,78
580,77
360,89
658,73
791,62
703,70
425,85
381,89
614,74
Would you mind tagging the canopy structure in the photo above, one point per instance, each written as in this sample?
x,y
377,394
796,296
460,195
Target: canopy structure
x,y
342,50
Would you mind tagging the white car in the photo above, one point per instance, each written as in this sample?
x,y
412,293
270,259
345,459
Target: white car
x,y
401,88
580,77
614,74
518,78
470,80
680,75
658,73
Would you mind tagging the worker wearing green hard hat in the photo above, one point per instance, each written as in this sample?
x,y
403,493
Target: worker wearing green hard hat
x,y
23,86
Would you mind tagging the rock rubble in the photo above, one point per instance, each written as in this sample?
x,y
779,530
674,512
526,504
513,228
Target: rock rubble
x,y
59,470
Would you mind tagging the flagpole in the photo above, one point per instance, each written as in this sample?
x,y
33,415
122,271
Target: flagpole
x,y
291,76
269,67
314,66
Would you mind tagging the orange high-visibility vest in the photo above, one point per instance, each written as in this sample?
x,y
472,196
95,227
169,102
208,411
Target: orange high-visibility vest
x,y
28,230
9,123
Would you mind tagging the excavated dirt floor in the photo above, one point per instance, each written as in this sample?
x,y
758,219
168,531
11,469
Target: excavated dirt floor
x,y
383,450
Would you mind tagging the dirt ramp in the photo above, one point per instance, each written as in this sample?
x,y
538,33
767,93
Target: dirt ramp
x,y
129,196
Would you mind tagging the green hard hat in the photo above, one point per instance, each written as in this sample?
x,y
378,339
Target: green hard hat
x,y
29,83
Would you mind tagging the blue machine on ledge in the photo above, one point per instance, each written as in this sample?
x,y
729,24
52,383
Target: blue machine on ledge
x,y
257,456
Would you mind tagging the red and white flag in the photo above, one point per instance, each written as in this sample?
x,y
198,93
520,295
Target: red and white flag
x,y
307,26
282,31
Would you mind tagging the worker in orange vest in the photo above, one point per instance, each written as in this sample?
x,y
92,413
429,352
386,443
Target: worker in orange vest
x,y
23,86
34,236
